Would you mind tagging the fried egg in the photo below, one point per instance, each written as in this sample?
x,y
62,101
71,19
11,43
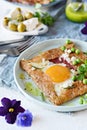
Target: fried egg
x,y
60,75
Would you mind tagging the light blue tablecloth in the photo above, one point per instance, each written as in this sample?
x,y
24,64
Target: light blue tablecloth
x,y
62,28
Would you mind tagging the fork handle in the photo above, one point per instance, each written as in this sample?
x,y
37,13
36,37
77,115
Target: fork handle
x,y
4,51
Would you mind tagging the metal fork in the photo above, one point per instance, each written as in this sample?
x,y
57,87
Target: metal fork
x,y
15,51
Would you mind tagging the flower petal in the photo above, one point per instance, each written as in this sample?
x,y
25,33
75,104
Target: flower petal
x,y
3,111
20,109
16,104
10,118
85,23
84,30
24,119
17,107
13,102
6,102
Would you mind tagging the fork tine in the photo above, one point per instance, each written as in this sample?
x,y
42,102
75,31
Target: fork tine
x,y
22,49
24,43
27,44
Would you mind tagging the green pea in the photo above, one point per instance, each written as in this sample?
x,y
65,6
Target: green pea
x,y
68,41
81,100
85,62
85,95
63,48
74,62
84,81
85,53
78,61
77,51
72,49
84,101
74,78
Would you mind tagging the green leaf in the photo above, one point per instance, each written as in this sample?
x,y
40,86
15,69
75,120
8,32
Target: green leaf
x,y
85,62
82,69
52,0
85,53
80,77
37,14
45,18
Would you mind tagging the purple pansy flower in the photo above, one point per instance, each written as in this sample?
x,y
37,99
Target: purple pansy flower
x,y
10,109
84,30
24,119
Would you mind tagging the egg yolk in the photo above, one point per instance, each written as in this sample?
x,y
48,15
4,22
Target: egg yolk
x,y
58,73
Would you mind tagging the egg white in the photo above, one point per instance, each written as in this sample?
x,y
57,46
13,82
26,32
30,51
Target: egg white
x,y
63,85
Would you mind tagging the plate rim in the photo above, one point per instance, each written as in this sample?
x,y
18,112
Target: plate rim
x,y
44,104
30,33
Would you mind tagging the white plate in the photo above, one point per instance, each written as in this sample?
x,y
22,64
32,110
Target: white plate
x,y
41,29
72,105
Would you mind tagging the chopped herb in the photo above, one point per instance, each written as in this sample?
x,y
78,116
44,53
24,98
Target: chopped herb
x,y
85,53
45,18
82,72
52,0
82,69
80,77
